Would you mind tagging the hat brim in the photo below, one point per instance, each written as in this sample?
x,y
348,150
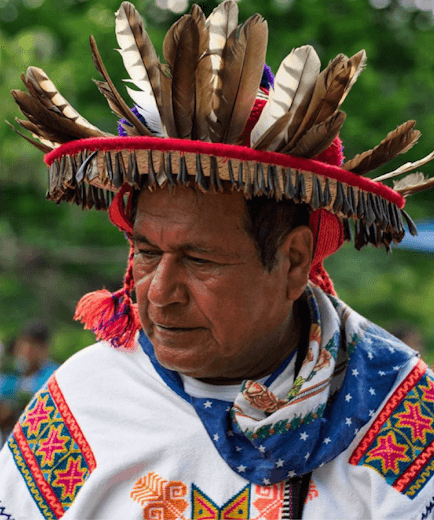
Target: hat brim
x,y
105,164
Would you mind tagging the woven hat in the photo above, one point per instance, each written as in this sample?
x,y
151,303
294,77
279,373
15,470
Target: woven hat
x,y
213,117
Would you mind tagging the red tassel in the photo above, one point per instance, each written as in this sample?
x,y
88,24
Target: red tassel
x,y
94,306
121,330
110,316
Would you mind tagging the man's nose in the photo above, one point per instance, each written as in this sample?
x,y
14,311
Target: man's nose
x,y
168,283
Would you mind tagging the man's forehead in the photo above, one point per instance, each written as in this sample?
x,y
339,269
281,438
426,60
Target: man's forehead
x,y
191,221
188,203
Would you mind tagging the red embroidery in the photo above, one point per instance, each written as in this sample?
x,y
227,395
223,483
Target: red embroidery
x,y
55,442
414,419
410,473
37,416
69,478
393,402
312,492
51,452
45,489
388,451
71,423
428,391
270,501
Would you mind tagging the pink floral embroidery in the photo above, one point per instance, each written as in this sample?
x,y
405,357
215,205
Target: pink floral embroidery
x,y
323,360
261,398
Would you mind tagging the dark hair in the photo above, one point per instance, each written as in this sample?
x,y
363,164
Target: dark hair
x,y
36,331
267,222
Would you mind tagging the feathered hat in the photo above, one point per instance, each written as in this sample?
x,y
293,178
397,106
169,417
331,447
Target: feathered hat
x,y
211,116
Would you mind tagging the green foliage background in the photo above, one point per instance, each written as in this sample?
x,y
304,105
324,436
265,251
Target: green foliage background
x,y
50,256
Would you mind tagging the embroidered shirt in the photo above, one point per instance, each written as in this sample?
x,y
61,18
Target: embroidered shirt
x,y
114,435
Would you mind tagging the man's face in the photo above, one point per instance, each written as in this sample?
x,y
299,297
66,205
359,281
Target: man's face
x,y
205,301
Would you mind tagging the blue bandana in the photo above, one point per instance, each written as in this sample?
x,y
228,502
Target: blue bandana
x,y
285,428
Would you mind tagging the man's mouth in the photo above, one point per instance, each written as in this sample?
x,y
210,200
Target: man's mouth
x,y
166,328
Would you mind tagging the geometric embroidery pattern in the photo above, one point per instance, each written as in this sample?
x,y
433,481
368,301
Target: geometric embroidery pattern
x,y
269,501
160,499
400,443
164,500
237,508
51,451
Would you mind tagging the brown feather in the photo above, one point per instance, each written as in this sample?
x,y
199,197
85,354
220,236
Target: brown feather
x,y
41,87
405,168
46,135
167,104
204,78
331,88
319,95
412,184
38,145
239,79
356,63
220,24
107,88
396,142
51,122
180,49
340,83
51,118
319,137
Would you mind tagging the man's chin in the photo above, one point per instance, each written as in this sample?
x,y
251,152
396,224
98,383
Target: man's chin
x,y
184,361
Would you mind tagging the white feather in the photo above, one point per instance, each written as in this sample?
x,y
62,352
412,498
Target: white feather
x,y
296,76
147,107
145,97
407,167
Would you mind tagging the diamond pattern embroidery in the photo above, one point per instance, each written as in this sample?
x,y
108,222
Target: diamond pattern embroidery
x,y
400,443
51,452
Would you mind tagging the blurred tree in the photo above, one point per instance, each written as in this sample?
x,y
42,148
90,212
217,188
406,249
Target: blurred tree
x,y
51,255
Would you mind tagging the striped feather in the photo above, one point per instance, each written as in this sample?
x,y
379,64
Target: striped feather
x,y
141,63
396,142
293,87
243,61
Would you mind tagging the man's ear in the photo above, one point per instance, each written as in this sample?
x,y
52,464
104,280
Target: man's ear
x,y
297,249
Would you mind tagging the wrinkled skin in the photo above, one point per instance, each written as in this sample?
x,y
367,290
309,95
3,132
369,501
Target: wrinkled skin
x,y
209,307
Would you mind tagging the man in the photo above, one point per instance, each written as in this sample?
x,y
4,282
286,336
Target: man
x,y
240,386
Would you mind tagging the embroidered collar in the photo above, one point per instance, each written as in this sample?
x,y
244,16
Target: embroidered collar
x,y
285,428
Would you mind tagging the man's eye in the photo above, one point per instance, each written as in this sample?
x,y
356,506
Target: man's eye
x,y
199,261
149,253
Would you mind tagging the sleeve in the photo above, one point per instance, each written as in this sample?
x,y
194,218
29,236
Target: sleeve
x,y
395,456
46,460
